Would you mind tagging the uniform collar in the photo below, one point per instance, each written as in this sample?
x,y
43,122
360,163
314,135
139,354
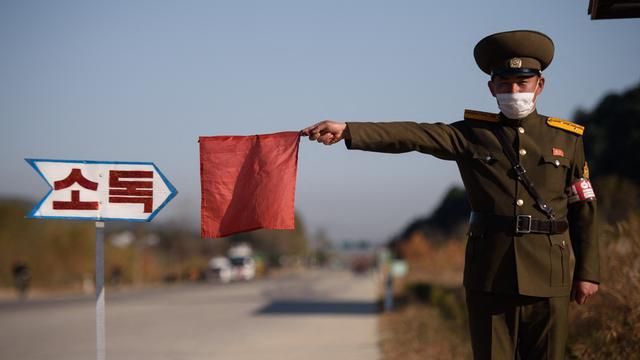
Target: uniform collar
x,y
518,122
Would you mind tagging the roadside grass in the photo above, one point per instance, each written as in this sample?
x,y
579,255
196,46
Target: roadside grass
x,y
420,331
429,319
608,327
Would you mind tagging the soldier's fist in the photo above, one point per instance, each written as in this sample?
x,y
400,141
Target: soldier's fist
x,y
581,291
327,132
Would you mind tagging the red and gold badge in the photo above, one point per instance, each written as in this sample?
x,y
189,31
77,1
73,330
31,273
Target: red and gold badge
x,y
557,152
585,171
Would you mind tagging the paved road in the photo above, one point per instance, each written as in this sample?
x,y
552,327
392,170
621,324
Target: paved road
x,y
312,315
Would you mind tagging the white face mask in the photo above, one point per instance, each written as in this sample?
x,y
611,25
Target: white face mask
x,y
517,105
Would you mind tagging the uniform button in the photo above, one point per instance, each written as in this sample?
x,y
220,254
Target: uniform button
x,y
488,158
557,162
523,152
521,130
563,243
520,202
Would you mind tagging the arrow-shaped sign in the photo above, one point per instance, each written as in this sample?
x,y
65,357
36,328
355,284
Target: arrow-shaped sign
x,y
101,190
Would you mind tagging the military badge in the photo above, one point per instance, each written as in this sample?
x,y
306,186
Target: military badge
x,y
557,152
585,170
580,191
515,63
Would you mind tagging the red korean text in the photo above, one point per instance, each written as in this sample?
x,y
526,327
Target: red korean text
x,y
75,177
124,190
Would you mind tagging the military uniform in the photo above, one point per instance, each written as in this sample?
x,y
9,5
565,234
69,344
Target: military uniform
x,y
517,273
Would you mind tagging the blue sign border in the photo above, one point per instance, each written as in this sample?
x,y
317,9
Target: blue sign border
x,y
33,162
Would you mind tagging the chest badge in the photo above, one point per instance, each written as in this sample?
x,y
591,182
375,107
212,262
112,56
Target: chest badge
x,y
557,152
585,170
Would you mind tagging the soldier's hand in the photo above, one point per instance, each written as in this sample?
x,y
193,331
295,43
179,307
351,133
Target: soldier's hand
x,y
326,132
581,291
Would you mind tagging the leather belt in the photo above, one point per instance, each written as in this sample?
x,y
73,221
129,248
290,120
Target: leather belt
x,y
520,224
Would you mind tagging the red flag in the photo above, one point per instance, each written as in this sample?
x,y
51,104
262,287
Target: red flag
x,y
248,182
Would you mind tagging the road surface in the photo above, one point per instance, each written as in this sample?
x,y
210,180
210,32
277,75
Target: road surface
x,y
309,316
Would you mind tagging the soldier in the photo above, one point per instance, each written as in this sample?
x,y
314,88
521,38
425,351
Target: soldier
x,y
529,191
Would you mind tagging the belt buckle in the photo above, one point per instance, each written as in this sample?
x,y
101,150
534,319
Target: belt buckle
x,y
525,221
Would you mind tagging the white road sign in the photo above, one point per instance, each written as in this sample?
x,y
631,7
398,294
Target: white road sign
x,y
101,190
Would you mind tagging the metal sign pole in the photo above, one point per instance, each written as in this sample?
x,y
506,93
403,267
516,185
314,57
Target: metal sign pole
x,y
100,308
388,294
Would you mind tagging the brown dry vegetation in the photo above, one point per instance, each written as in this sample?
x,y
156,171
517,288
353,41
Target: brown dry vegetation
x,y
60,254
609,326
430,263
429,321
420,332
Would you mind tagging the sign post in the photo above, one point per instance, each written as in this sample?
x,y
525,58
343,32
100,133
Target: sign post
x,y
398,269
101,191
100,306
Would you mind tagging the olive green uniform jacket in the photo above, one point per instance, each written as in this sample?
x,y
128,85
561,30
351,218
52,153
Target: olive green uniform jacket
x,y
497,260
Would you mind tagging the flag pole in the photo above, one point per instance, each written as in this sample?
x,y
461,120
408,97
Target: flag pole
x,y
100,306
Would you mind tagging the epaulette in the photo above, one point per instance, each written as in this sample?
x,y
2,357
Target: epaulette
x,y
565,125
480,115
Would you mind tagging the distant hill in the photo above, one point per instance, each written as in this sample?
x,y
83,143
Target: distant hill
x,y
447,220
612,136
612,144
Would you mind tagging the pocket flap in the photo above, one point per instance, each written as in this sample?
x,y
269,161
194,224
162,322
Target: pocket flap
x,y
556,161
559,239
485,157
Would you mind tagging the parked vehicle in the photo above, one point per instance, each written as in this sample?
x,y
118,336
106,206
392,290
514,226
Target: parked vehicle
x,y
243,268
220,269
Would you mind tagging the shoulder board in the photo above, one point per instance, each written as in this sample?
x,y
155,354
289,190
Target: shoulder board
x,y
565,125
480,115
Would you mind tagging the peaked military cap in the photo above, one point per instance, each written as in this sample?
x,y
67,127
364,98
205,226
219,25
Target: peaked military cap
x,y
518,52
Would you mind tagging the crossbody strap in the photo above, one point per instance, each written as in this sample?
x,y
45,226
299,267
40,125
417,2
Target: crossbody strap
x,y
522,173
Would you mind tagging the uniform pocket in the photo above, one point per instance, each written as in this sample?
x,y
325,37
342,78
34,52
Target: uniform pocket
x,y
558,260
485,158
555,170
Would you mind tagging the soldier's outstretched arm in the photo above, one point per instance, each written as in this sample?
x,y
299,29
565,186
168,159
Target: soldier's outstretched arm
x,y
441,140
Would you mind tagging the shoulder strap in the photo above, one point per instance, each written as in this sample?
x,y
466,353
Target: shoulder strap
x,y
565,125
522,173
480,115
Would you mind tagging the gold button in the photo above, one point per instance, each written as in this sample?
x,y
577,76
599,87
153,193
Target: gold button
x,y
520,202
521,130
557,162
523,152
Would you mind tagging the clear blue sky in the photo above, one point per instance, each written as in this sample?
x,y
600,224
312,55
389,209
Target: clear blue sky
x,y
141,80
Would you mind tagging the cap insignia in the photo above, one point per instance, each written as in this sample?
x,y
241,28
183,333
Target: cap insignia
x,y
515,63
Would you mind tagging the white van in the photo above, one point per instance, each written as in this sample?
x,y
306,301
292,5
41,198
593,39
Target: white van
x,y
243,268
